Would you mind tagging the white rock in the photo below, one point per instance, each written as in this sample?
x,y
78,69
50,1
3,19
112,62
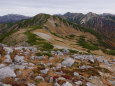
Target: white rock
x,y
78,83
68,62
76,74
7,72
67,84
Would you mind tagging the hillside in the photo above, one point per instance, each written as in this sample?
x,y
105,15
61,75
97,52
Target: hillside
x,y
47,50
60,33
104,24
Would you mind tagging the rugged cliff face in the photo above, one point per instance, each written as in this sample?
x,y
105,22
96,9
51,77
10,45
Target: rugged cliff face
x,y
104,24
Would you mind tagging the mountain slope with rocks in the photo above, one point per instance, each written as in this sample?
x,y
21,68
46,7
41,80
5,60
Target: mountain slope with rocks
x,y
48,50
104,24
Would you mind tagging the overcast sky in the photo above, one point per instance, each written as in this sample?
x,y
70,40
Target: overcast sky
x,y
33,7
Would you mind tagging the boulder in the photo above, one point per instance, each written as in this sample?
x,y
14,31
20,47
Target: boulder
x,y
19,59
68,62
6,72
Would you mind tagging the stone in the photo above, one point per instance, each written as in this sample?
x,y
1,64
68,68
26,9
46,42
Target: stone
x,y
78,83
6,85
44,71
6,72
68,62
67,84
2,65
76,74
85,67
39,77
112,82
31,84
56,84
90,84
19,59
65,51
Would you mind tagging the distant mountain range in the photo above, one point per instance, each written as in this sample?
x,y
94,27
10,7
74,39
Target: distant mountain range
x,y
104,24
12,18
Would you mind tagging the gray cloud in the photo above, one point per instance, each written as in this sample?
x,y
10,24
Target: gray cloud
x,y
33,7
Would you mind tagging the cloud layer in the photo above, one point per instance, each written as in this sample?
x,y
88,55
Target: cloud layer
x,y
33,7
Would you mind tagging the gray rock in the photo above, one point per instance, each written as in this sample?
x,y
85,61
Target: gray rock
x,y
85,67
39,57
90,84
76,74
59,53
6,85
39,77
78,83
56,84
6,72
44,71
2,65
112,82
19,59
67,84
8,59
31,84
65,51
61,78
68,62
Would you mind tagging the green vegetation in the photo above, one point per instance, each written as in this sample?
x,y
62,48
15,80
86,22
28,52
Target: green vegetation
x,y
111,52
35,40
56,35
44,54
57,25
71,36
3,36
87,45
36,27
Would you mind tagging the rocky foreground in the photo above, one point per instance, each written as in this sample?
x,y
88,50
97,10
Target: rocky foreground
x,y
28,66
